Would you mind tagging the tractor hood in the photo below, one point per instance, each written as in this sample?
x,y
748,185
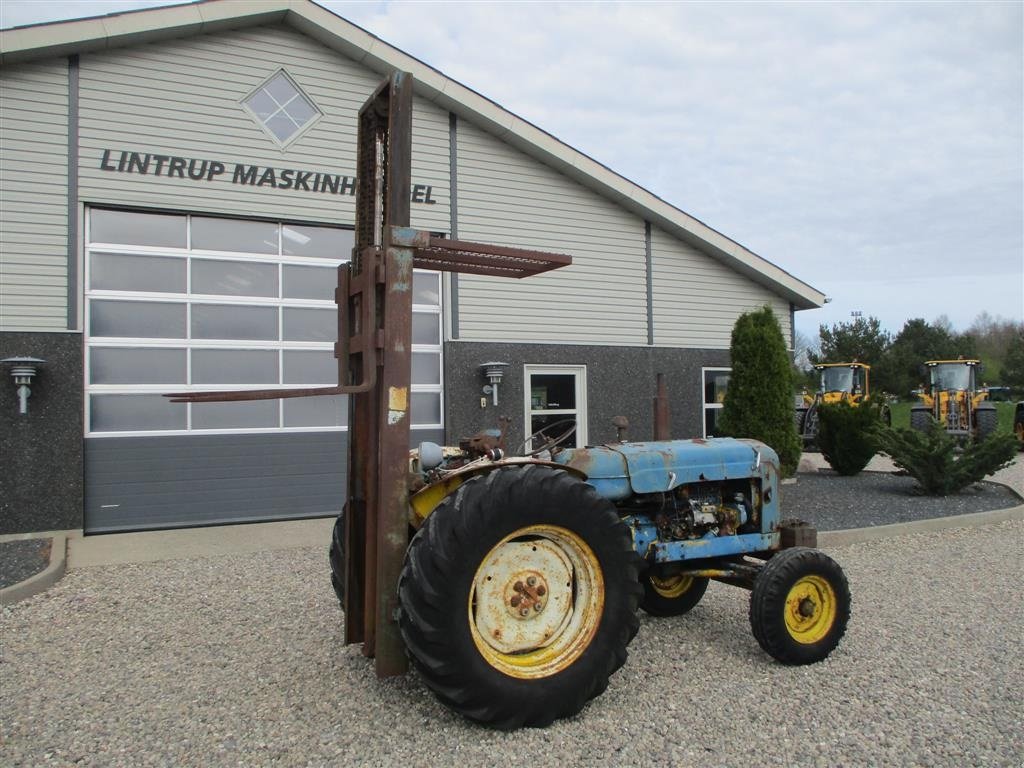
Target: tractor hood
x,y
620,470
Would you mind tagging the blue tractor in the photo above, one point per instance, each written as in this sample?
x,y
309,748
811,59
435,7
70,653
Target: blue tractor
x,y
519,591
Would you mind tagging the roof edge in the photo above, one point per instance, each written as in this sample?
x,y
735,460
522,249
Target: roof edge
x,y
22,44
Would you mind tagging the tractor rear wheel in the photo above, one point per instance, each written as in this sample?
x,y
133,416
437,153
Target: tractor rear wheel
x,y
987,420
800,605
920,419
518,597
668,594
336,554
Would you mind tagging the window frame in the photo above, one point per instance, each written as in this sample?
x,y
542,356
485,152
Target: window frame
x,y
579,372
706,406
319,113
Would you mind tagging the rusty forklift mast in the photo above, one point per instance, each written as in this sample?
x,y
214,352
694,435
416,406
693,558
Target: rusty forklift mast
x,y
374,298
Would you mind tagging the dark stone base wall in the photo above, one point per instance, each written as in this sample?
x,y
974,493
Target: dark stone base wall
x,y
620,382
41,452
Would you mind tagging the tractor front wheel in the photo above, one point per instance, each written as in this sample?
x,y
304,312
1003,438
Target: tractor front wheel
x,y
518,597
800,605
671,594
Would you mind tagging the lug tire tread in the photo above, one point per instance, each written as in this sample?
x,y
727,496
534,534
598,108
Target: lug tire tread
x,y
768,600
447,551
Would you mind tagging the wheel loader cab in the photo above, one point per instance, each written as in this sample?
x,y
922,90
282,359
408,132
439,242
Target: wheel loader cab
x,y
843,381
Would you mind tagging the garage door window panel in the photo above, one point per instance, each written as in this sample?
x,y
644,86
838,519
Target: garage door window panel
x,y
120,365
316,242
137,272
313,367
234,278
190,308
120,413
129,228
254,414
302,324
137,319
235,366
210,234
316,411
234,322
313,283
426,329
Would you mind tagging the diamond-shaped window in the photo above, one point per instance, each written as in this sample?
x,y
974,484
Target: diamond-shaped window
x,y
281,108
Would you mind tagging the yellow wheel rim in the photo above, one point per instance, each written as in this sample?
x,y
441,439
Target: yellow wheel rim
x,y
811,607
536,602
673,586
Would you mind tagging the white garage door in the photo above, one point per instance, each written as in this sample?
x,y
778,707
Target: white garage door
x,y
178,302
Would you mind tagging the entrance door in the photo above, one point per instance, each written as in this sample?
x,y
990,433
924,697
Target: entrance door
x,y
555,393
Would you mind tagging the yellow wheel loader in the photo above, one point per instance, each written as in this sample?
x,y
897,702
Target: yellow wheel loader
x,y
838,382
951,397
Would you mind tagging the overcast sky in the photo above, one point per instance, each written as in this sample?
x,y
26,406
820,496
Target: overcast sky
x,y
875,151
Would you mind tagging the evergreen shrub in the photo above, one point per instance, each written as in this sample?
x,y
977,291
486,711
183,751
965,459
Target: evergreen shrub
x,y
759,401
848,435
931,457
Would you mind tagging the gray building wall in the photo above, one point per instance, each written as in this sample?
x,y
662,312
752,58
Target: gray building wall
x,y
34,196
620,382
184,98
41,451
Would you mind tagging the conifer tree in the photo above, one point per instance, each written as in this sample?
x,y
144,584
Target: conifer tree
x,y
759,401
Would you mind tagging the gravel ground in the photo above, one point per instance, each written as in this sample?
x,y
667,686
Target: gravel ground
x,y
23,558
237,661
832,502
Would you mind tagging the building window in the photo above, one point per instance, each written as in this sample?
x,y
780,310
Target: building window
x,y
556,393
716,382
193,303
281,108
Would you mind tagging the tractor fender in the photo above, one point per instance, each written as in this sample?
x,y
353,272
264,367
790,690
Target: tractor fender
x,y
425,500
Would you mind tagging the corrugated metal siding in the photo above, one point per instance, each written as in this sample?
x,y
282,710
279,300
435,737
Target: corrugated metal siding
x,y
133,483
698,299
34,196
510,199
139,482
184,97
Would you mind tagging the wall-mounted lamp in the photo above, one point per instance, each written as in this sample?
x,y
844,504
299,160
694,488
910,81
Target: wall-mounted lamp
x,y
494,372
22,370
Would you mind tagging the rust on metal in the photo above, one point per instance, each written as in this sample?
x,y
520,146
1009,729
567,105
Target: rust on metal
x,y
482,259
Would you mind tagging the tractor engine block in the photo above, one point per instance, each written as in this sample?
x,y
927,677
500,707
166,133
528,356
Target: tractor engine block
x,y
699,510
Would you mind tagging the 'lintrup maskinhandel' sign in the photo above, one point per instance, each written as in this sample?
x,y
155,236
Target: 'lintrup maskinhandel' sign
x,y
173,166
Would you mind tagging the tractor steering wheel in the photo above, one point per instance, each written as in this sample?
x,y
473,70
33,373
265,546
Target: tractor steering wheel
x,y
551,435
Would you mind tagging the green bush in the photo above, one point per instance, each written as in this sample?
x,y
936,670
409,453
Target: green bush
x,y
759,401
847,435
931,457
